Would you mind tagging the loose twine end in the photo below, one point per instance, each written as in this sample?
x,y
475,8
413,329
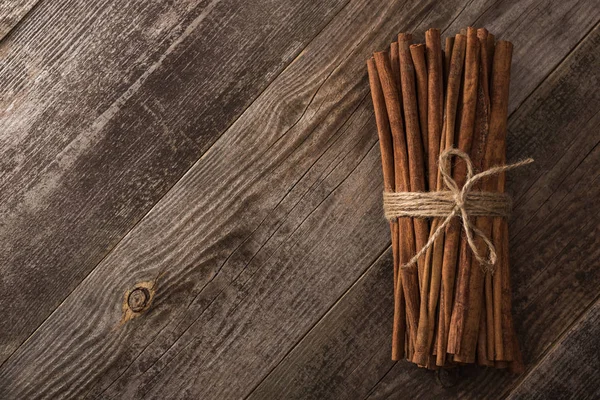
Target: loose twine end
x,y
455,202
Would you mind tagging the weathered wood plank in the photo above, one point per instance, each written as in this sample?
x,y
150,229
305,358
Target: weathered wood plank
x,y
88,147
11,12
570,369
347,352
289,195
293,125
320,367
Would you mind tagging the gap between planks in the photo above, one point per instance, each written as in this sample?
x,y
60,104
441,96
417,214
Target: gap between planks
x,y
27,9
554,345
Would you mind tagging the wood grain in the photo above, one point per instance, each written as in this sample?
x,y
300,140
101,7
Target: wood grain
x,y
281,216
570,369
331,364
537,116
88,148
13,11
261,166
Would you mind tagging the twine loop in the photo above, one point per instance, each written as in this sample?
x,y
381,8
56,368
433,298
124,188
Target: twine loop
x,y
455,202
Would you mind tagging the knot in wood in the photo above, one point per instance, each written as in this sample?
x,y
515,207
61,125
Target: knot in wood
x,y
448,377
138,299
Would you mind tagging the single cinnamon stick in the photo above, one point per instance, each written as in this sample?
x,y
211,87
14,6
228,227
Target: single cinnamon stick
x,y
504,329
482,127
477,153
498,296
448,46
505,326
501,281
491,45
387,162
437,291
436,296
413,139
435,103
410,284
453,230
416,171
417,52
452,94
395,61
495,151
482,346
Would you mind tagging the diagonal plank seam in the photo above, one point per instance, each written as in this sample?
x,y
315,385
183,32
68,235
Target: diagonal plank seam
x,y
370,392
298,202
568,244
20,21
569,174
339,300
556,343
460,13
235,279
555,69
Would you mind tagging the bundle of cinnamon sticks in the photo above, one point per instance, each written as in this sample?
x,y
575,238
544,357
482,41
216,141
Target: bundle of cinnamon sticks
x,y
448,310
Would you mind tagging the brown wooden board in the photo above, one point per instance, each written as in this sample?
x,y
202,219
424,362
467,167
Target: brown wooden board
x,y
280,220
12,12
102,113
570,369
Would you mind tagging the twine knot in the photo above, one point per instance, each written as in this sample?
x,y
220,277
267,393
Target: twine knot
x,y
464,203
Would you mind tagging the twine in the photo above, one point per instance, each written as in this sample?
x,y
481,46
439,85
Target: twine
x,y
454,202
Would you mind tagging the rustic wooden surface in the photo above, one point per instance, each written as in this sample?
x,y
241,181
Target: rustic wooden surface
x,y
223,155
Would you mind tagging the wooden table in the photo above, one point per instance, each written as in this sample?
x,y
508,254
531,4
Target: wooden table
x,y
191,199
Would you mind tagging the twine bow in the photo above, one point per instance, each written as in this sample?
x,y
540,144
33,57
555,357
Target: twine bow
x,y
455,202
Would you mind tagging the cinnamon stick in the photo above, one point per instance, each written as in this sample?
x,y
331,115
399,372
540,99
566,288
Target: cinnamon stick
x,y
413,138
487,50
445,296
491,44
495,151
448,46
452,94
482,347
387,162
453,230
434,126
435,102
502,278
395,61
498,296
504,329
417,52
410,285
